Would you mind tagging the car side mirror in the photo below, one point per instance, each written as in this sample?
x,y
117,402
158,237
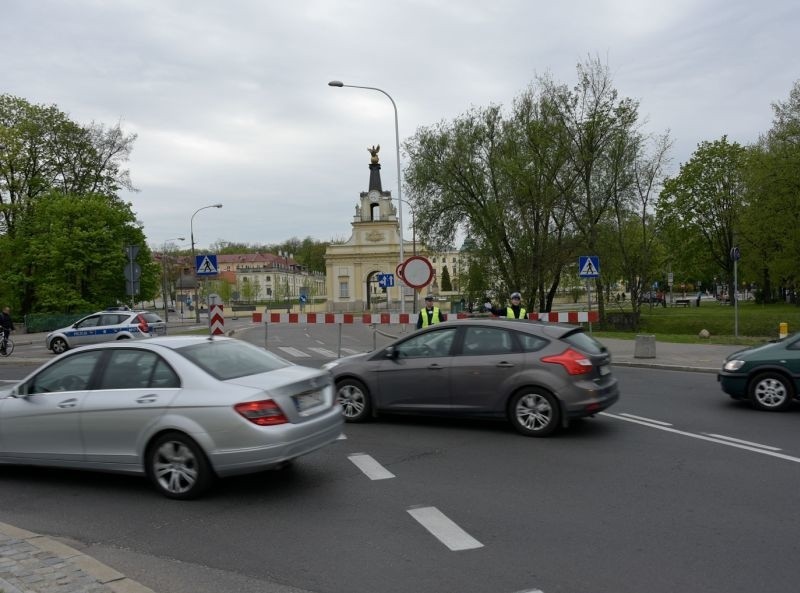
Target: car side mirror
x,y
392,353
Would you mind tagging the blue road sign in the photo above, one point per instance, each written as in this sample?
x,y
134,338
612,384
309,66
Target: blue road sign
x,y
206,265
588,266
385,280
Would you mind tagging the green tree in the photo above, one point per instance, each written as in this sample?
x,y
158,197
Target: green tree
x,y
447,285
602,132
769,226
45,150
47,157
70,254
707,200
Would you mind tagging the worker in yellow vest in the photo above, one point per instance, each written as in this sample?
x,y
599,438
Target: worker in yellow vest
x,y
430,314
513,311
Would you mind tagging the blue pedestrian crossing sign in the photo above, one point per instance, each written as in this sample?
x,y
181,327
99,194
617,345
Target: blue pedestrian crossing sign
x,y
385,280
588,266
206,265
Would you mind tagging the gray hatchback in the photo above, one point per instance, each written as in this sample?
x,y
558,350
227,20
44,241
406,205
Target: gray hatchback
x,y
536,375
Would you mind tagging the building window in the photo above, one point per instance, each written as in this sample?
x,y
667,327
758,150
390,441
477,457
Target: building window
x,y
344,289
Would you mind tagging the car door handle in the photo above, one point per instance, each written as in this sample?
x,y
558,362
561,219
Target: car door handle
x,y
435,367
147,399
505,365
68,403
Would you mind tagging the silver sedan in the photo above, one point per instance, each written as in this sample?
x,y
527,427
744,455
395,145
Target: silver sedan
x,y
182,410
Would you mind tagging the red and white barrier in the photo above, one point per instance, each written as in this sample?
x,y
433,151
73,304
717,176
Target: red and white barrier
x,y
216,320
406,318
567,316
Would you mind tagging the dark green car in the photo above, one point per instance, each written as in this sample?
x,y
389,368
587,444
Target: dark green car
x,y
768,375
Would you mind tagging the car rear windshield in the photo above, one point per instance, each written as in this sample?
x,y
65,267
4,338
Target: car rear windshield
x,y
230,359
584,342
152,318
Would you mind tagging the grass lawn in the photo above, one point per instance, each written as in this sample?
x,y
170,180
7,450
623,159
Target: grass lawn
x,y
756,323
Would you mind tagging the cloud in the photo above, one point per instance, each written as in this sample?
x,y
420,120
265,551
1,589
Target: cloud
x,y
230,100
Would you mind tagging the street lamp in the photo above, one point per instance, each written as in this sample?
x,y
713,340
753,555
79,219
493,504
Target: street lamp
x,y
194,261
166,278
286,257
339,83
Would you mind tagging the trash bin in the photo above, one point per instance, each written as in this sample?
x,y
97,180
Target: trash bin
x,y
645,346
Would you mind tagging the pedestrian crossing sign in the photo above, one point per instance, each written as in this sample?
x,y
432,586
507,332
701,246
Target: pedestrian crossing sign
x,y
206,265
588,266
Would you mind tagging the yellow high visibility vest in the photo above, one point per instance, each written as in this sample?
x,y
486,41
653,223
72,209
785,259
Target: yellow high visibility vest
x,y
435,318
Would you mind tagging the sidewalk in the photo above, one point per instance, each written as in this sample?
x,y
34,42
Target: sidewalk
x,y
31,563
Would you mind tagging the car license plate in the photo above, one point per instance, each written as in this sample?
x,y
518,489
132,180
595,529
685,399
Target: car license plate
x,y
159,331
604,370
307,401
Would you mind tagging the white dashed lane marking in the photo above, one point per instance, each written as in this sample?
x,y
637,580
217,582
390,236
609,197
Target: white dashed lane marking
x,y
371,468
443,529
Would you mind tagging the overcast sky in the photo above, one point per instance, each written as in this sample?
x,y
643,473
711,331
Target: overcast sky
x,y
230,100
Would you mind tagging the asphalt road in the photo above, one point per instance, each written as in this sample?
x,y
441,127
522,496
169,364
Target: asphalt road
x,y
674,488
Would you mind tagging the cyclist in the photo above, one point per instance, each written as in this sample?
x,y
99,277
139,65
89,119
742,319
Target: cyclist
x,y
6,326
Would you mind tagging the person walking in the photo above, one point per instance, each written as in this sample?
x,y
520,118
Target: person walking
x,y
430,314
6,326
513,311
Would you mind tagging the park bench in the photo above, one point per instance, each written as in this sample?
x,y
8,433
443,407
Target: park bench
x,y
681,303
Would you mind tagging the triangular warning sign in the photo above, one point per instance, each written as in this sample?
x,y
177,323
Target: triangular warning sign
x,y
206,267
589,269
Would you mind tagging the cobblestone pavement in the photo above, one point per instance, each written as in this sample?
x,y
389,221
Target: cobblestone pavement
x,y
32,563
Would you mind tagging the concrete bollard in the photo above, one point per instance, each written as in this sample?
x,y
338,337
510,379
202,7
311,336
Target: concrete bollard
x,y
783,330
645,346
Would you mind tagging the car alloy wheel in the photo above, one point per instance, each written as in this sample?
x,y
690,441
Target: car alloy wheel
x,y
352,396
177,466
534,412
59,345
771,391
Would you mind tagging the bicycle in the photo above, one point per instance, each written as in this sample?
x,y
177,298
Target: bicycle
x,y
6,346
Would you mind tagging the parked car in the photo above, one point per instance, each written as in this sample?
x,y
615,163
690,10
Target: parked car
x,y
182,410
106,326
768,375
536,375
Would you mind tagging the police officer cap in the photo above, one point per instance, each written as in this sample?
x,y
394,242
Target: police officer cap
x,y
429,298
516,295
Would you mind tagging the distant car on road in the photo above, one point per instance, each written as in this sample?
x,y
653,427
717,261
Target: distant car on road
x,y
768,375
536,375
183,410
106,326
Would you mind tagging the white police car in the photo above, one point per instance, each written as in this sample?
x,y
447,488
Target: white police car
x,y
106,326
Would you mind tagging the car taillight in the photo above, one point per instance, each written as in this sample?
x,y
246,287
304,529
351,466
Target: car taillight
x,y
263,413
143,327
573,361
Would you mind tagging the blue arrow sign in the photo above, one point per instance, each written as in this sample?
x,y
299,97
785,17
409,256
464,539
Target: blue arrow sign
x,y
386,280
588,266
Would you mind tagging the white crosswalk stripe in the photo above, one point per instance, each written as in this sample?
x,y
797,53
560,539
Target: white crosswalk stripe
x,y
289,351
324,352
293,352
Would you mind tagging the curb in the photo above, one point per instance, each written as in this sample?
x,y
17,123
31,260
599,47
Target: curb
x,y
33,563
663,367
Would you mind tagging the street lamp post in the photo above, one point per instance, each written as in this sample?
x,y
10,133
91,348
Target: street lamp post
x,y
339,83
166,290
194,261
